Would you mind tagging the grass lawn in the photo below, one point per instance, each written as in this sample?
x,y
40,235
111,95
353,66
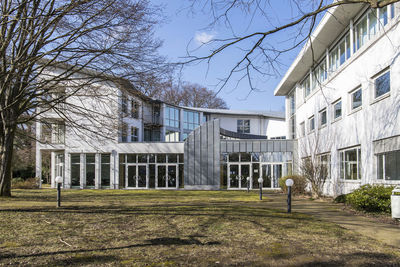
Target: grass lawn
x,y
168,228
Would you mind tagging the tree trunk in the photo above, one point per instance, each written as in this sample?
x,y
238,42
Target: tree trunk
x,y
6,152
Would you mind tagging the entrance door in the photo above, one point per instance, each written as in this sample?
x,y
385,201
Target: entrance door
x,y
136,176
233,176
244,173
271,174
167,176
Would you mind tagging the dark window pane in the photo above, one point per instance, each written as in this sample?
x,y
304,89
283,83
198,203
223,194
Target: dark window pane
x,y
382,84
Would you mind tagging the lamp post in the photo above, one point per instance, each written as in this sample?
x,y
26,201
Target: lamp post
x,y
248,184
289,183
260,184
59,181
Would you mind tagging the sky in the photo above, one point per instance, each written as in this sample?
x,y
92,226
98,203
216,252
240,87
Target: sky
x,y
183,31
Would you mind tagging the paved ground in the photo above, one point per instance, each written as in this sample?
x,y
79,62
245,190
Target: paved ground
x,y
387,233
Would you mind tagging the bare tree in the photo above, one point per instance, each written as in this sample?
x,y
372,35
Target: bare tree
x,y
49,45
192,95
257,54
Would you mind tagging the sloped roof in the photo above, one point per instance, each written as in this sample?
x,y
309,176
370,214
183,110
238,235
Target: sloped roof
x,y
264,113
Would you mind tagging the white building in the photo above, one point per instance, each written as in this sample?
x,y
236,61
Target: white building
x,y
343,96
118,138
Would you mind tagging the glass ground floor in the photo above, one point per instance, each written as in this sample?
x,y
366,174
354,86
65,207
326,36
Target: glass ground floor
x,y
164,171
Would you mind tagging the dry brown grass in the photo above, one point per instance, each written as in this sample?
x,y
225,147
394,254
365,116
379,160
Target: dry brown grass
x,y
169,228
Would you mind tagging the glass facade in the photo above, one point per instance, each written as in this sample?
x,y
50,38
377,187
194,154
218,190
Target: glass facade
x,y
171,117
191,120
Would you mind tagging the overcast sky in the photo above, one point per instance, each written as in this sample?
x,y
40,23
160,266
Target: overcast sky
x,y
183,31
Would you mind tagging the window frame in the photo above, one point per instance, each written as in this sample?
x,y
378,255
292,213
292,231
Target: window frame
x,y
375,78
322,125
334,110
384,168
343,163
351,94
241,127
134,137
311,119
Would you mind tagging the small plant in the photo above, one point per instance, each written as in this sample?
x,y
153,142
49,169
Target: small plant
x,y
19,183
371,198
299,184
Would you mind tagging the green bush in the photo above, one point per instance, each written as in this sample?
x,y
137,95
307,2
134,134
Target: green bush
x,y
370,198
299,184
19,183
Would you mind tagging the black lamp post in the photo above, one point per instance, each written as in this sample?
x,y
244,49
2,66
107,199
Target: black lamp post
x,y
260,184
289,183
59,181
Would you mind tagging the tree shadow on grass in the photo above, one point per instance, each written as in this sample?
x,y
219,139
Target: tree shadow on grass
x,y
162,241
85,259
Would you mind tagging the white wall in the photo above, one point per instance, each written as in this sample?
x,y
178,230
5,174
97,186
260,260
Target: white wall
x,y
375,120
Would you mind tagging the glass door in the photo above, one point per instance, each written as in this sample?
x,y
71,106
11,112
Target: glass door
x,y
267,175
244,173
131,176
161,176
142,176
233,176
277,170
172,176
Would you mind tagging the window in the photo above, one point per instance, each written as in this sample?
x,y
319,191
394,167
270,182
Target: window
x,y
134,109
356,99
105,170
172,117
191,120
124,105
302,129
292,112
350,164
184,136
389,166
383,15
151,135
292,103
90,169
243,126
172,136
306,85
53,132
382,84
325,164
134,134
392,11
361,33
322,118
124,132
337,110
311,124
75,169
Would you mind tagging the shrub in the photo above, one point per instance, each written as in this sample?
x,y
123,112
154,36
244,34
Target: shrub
x,y
299,184
370,198
19,183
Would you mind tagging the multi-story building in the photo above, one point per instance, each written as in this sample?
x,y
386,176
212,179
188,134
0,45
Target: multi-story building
x,y
116,137
343,96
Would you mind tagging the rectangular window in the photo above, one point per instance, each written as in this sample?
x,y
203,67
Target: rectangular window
x,y
306,85
311,124
292,103
53,132
134,134
383,15
302,129
373,25
348,54
90,169
191,120
243,126
356,99
124,132
389,166
171,136
172,118
322,118
105,170
75,169
324,161
124,105
333,59
350,164
361,33
337,110
382,84
134,109
392,11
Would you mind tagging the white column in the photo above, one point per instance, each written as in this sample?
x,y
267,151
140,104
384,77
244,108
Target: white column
x,y
38,165
97,180
114,169
53,169
67,170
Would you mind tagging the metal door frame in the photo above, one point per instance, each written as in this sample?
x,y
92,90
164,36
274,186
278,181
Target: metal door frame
x,y
239,174
166,175
272,172
136,165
